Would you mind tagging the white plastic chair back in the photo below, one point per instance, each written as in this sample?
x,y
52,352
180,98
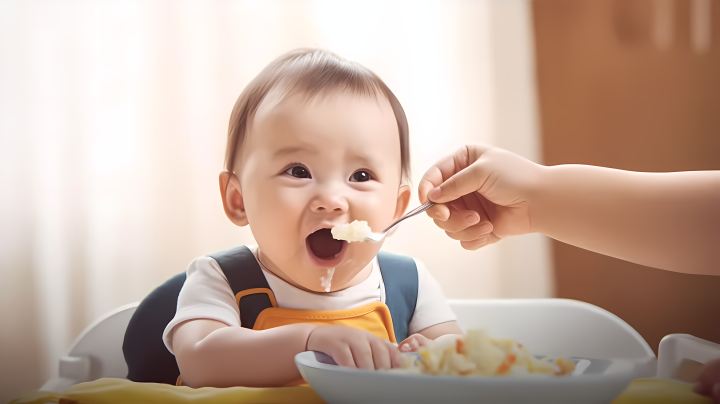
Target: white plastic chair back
x,y
97,351
676,348
555,327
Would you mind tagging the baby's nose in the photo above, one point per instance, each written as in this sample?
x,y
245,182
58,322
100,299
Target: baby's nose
x,y
329,202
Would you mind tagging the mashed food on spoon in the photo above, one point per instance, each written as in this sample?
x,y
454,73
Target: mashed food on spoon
x,y
356,231
479,355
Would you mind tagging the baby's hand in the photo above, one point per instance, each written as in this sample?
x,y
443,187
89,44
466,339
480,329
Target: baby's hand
x,y
413,343
354,348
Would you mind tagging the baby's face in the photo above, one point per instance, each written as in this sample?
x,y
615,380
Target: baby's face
x,y
307,166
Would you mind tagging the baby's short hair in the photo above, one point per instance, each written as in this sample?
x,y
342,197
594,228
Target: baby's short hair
x,y
312,72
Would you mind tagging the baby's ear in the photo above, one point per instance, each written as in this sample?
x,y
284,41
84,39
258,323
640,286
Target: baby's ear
x,y
403,201
232,198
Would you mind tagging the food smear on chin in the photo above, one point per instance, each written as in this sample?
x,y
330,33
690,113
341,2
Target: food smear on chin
x,y
356,231
325,281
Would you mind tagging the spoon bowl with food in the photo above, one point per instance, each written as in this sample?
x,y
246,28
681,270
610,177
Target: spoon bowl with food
x,y
359,231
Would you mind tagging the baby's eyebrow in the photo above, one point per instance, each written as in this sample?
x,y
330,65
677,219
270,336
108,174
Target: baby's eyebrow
x,y
365,159
293,149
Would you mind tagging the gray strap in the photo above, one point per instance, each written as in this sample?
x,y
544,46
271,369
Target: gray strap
x,y
243,272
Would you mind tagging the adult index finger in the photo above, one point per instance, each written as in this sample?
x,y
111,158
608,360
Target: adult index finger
x,y
431,179
443,169
459,173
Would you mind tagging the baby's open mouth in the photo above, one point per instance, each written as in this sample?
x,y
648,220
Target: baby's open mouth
x,y
323,245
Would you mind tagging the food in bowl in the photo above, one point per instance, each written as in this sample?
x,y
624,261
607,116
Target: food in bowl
x,y
477,354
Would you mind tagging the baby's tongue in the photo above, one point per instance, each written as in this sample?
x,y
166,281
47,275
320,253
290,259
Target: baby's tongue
x,y
323,245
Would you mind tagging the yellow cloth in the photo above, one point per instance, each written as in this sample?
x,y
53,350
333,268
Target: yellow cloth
x,y
119,391
660,391
372,317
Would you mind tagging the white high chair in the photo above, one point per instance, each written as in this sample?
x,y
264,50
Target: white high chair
x,y
96,352
547,326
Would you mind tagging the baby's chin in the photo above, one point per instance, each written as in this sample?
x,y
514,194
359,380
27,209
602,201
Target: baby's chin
x,y
325,280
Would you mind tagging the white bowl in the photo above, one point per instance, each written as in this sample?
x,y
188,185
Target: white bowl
x,y
596,381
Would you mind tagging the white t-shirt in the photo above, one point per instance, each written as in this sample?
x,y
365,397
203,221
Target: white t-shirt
x,y
206,294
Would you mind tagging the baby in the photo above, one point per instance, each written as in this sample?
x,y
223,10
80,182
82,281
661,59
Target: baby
x,y
314,141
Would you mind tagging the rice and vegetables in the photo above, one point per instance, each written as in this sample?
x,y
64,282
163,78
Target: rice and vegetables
x,y
479,355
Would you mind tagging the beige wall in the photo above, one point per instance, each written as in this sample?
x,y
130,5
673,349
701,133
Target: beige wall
x,y
112,123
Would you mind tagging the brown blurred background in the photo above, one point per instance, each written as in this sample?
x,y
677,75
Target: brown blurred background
x,y
633,85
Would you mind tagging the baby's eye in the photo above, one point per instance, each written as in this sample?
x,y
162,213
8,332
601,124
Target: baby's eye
x,y
360,176
298,172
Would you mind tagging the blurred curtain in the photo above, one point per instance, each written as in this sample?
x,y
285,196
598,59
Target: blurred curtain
x,y
113,118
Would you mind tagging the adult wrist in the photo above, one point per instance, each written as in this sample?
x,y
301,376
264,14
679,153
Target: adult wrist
x,y
537,193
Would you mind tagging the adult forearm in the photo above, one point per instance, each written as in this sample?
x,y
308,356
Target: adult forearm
x,y
664,220
233,356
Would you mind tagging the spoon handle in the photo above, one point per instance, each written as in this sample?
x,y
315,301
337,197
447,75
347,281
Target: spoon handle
x,y
420,209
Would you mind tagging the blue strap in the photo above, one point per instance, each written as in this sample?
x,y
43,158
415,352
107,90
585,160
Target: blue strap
x,y
400,277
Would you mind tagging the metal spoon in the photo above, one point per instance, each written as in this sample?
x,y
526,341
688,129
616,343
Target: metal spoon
x,y
376,237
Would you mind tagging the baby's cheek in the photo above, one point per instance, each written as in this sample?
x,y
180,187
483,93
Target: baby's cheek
x,y
360,254
379,212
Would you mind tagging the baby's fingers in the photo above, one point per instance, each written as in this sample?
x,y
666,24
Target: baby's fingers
x,y
395,361
381,354
409,345
343,356
363,355
413,343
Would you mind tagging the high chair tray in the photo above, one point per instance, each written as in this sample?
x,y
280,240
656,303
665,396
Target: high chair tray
x,y
595,381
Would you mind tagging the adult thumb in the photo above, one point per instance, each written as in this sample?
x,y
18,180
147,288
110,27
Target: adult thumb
x,y
465,181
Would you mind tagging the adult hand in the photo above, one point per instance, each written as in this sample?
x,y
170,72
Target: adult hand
x,y
354,348
482,194
709,381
